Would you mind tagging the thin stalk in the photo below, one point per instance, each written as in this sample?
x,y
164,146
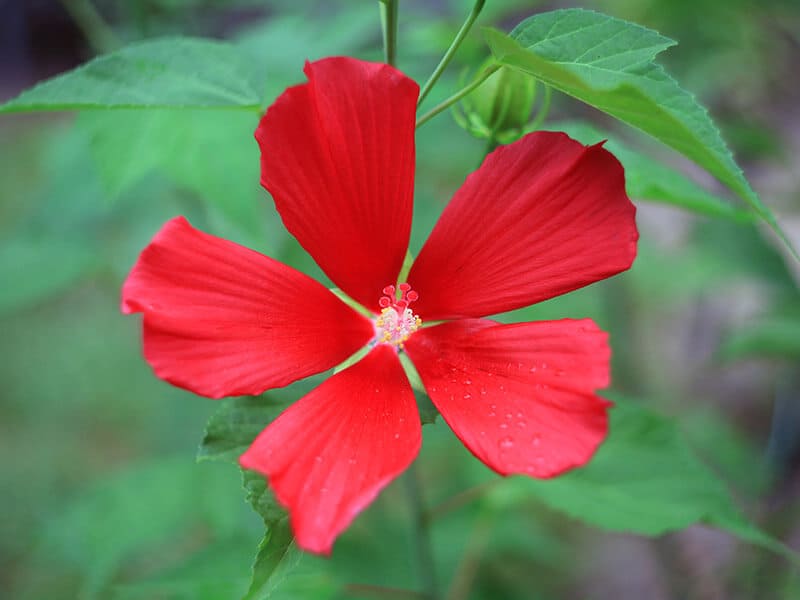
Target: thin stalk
x,y
448,56
467,570
389,26
491,145
423,552
456,97
91,23
541,114
460,499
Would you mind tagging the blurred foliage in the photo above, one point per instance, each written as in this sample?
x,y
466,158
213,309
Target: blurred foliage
x,y
102,498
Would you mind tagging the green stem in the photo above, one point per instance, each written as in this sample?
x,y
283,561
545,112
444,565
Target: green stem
x,y
456,97
463,578
460,499
97,32
389,26
543,109
462,33
423,553
491,144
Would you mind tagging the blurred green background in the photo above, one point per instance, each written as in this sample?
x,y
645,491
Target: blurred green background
x,y
102,497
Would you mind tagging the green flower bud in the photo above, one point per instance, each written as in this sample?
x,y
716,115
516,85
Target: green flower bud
x,y
500,107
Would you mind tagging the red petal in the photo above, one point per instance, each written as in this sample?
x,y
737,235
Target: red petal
x,y
337,155
520,397
329,454
541,217
223,320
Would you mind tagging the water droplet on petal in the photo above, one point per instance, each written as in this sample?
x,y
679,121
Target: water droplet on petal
x,y
537,440
318,458
503,425
397,436
467,396
522,424
506,443
467,382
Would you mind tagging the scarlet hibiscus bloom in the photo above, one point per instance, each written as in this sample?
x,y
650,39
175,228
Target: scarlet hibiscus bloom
x,y
540,217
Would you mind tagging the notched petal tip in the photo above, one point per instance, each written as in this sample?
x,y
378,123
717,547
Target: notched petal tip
x,y
541,217
337,156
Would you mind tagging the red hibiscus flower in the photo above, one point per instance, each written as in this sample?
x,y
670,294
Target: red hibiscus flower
x,y
540,217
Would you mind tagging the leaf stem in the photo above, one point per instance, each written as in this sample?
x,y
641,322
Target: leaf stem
x,y
91,23
544,108
456,97
423,552
460,499
389,26
467,569
462,33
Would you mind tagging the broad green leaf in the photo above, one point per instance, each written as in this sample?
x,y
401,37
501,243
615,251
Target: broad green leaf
x,y
608,63
647,179
231,430
260,497
161,73
730,452
275,547
644,479
32,268
211,153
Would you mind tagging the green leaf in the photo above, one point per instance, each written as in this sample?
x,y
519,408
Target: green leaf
x,y
229,432
644,479
260,497
274,549
607,63
211,153
647,179
162,73
234,426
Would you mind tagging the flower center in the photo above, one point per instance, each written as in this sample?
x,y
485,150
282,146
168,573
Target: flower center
x,y
396,321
